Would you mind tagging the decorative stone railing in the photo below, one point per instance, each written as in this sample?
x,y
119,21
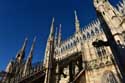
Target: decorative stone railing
x,y
29,73
68,53
99,62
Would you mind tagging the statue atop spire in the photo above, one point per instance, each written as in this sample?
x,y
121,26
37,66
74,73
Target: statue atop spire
x,y
56,38
20,55
59,35
29,59
32,48
77,24
50,38
9,67
24,45
52,29
49,56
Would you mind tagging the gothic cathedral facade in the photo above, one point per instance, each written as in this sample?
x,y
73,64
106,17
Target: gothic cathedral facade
x,y
93,54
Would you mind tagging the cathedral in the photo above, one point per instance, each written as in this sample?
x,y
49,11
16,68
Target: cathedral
x,y
93,54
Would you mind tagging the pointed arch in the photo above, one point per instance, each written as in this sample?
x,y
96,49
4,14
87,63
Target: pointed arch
x,y
77,39
66,46
84,37
92,33
88,35
108,77
96,30
71,43
74,42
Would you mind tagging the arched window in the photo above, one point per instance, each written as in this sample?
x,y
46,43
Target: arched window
x,y
74,42
71,44
68,45
108,77
98,49
96,30
84,37
92,33
77,39
88,35
101,51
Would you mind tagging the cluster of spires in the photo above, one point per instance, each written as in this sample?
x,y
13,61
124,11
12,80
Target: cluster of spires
x,y
93,26
120,7
52,43
29,59
20,57
57,37
57,41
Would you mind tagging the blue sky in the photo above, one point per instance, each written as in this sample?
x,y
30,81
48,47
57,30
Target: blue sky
x,y
29,18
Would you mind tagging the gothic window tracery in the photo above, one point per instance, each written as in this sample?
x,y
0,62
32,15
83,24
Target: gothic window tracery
x,y
98,49
84,38
88,35
108,77
96,30
71,44
77,39
74,42
92,33
101,51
